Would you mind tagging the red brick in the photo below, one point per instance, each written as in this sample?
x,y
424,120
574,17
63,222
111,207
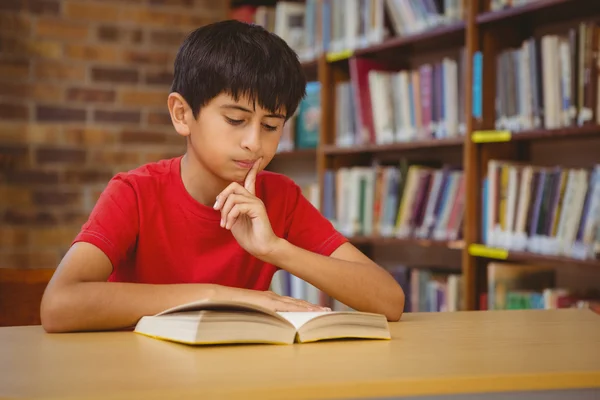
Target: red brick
x,y
13,132
57,70
116,157
92,11
45,155
22,216
14,112
24,259
33,177
30,47
87,176
159,78
110,33
28,133
149,57
74,218
50,7
14,196
153,157
88,136
94,52
53,236
11,69
12,155
59,114
180,3
141,137
13,237
115,75
61,29
88,95
114,116
56,198
167,38
159,118
143,97
43,133
161,17
32,91
173,138
15,24
10,5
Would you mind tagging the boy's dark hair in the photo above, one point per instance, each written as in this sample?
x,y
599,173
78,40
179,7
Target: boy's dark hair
x,y
239,59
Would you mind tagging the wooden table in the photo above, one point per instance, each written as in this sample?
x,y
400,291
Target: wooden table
x,y
433,354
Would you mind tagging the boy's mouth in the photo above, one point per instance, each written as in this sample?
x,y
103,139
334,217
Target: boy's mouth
x,y
246,164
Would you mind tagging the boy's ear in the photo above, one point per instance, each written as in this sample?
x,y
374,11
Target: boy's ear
x,y
181,114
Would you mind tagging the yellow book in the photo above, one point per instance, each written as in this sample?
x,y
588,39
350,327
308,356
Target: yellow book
x,y
223,322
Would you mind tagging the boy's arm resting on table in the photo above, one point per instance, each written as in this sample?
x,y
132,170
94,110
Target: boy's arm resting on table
x,y
347,275
78,297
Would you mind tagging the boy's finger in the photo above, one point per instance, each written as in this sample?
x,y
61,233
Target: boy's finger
x,y
233,188
250,181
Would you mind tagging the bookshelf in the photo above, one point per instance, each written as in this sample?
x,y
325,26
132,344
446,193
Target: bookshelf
x,y
467,49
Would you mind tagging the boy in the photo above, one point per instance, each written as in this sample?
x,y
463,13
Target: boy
x,y
210,224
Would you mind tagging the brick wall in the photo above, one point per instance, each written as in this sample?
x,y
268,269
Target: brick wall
x,y
83,87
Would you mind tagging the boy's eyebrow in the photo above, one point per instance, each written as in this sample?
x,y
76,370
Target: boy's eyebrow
x,y
236,107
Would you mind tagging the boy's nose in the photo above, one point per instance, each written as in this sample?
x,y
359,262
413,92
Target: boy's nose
x,y
251,139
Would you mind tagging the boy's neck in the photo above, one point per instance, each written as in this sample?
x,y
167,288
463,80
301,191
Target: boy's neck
x,y
200,183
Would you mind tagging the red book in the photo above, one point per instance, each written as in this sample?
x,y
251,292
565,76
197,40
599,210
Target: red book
x,y
359,76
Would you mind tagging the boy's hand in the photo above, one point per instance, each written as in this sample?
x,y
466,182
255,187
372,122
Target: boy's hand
x,y
245,215
275,302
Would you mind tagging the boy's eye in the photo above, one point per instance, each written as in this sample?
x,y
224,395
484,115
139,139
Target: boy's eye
x,y
270,128
234,121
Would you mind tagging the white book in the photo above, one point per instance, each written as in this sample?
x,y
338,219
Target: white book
x,y
210,322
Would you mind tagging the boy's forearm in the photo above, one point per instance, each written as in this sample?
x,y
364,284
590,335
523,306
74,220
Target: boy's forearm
x,y
359,285
90,306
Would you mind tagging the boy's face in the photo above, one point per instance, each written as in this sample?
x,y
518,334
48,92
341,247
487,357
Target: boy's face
x,y
228,135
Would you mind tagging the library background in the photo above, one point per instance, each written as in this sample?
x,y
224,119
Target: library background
x,y
455,142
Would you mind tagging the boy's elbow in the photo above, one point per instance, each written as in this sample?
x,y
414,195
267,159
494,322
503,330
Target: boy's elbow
x,y
396,306
52,314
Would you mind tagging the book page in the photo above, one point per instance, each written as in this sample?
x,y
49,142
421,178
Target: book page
x,y
299,318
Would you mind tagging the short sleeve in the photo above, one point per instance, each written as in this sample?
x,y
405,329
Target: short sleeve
x,y
113,223
307,228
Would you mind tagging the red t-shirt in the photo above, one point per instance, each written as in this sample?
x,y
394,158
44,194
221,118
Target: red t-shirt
x,y
153,231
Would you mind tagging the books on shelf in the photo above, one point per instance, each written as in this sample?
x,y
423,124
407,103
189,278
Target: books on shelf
x,y
316,27
546,210
430,290
425,289
301,131
221,322
412,17
512,286
403,201
549,82
497,5
380,105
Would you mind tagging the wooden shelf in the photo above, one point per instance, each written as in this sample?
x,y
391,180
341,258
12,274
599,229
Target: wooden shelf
x,y
420,144
440,36
397,42
530,258
571,132
311,69
386,241
512,12
296,153
537,134
541,12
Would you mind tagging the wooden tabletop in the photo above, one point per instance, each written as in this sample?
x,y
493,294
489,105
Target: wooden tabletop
x,y
430,353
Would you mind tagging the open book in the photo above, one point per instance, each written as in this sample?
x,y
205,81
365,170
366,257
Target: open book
x,y
212,322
